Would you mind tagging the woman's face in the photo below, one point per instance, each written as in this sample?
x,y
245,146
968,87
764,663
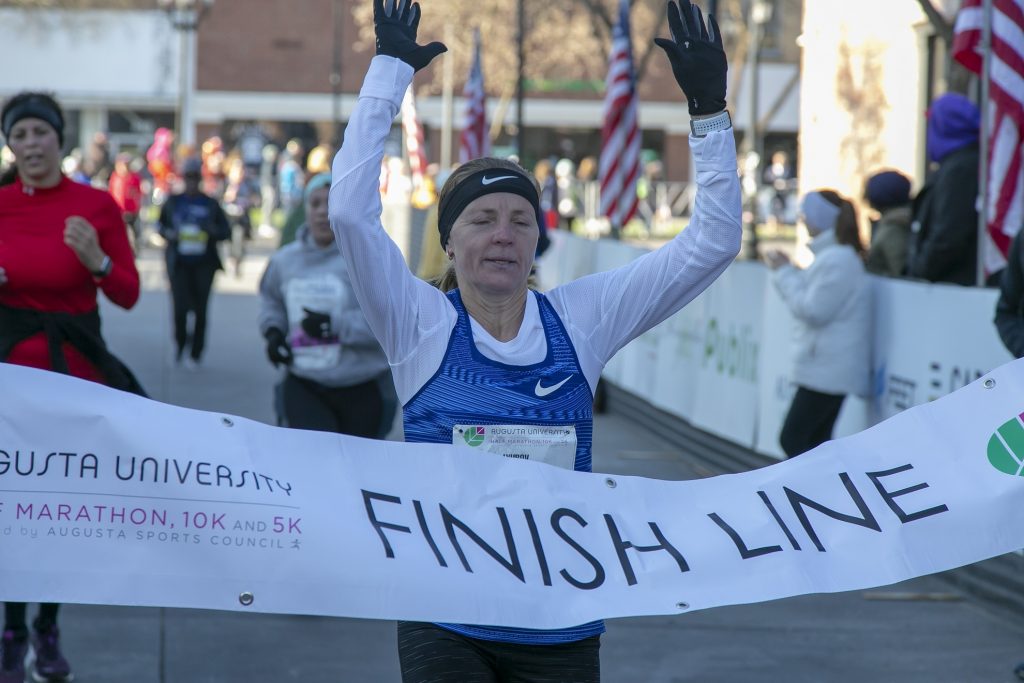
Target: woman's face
x,y
317,217
493,242
36,151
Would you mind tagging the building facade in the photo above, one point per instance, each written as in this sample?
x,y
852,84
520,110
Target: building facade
x,y
293,69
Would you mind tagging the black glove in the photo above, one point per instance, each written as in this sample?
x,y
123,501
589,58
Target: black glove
x,y
697,57
316,324
395,24
278,350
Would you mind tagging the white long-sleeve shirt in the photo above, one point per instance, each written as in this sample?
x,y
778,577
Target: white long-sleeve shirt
x,y
601,312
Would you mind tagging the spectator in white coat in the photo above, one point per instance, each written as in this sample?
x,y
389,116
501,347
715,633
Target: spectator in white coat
x,y
831,302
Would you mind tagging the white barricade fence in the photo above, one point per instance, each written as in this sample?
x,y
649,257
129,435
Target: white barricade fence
x,y
723,362
110,498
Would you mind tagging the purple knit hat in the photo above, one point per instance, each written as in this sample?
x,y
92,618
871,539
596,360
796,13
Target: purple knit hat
x,y
953,122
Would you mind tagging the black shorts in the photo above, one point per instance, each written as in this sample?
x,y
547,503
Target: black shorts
x,y
431,654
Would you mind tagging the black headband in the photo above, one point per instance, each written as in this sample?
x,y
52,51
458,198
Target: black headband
x,y
37,108
483,182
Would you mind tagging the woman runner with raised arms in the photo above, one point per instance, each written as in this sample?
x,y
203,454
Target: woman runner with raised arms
x,y
484,349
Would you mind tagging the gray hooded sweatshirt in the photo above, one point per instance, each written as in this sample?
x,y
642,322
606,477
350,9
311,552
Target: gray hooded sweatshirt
x,y
306,282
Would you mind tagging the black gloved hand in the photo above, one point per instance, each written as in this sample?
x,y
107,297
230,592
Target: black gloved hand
x,y
316,324
395,24
697,57
278,350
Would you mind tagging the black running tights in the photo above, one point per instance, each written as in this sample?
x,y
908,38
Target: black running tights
x,y
14,617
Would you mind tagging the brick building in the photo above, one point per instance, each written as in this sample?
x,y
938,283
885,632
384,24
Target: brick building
x,y
269,64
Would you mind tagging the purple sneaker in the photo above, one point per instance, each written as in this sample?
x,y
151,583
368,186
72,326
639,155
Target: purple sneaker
x,y
49,665
12,658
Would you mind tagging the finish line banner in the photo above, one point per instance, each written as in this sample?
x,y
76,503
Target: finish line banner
x,y
109,498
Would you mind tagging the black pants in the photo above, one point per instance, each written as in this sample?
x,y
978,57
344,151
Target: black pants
x,y
431,654
190,290
354,410
810,420
15,620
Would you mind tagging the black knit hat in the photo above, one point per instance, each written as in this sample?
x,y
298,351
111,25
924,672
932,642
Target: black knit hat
x,y
32,105
887,189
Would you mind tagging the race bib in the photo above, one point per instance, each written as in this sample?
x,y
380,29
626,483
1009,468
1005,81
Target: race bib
x,y
192,240
552,444
322,293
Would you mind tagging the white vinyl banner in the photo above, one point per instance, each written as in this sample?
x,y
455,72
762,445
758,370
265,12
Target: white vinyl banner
x,y
728,373
931,339
109,498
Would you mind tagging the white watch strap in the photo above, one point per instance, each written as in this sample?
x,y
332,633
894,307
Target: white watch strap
x,y
720,121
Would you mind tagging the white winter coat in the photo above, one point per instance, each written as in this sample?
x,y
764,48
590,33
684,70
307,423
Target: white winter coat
x,y
831,302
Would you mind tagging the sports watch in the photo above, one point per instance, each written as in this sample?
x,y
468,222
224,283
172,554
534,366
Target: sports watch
x,y
702,126
105,267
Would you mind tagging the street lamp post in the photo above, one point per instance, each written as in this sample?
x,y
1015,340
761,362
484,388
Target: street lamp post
x,y
337,13
185,16
520,86
761,14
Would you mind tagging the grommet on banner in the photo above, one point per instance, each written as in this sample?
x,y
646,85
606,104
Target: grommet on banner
x,y
246,598
682,605
227,422
610,483
989,383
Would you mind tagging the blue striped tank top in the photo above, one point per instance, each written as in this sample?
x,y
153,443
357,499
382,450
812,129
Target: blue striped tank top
x,y
470,388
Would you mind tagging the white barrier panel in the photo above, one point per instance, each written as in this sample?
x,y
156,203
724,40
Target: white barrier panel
x,y
679,356
133,502
727,380
929,340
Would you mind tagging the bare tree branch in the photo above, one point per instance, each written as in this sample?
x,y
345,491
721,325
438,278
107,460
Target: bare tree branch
x,y
599,11
649,48
79,4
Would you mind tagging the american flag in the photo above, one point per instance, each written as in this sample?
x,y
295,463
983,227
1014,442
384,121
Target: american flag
x,y
619,167
475,141
413,139
1004,195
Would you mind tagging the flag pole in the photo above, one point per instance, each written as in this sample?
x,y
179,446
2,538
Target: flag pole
x,y
985,151
447,100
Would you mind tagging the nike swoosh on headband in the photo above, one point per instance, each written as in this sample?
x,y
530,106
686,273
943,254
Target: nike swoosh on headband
x,y
487,181
541,392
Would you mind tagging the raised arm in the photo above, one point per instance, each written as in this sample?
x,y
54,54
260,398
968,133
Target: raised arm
x,y
399,307
607,310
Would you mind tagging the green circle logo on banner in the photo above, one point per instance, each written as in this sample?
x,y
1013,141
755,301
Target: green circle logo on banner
x,y
474,436
1006,448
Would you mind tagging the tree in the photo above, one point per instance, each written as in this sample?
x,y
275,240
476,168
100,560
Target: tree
x,y
79,4
566,40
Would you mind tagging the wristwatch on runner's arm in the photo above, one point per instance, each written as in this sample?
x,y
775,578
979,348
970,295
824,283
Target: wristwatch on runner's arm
x,y
701,126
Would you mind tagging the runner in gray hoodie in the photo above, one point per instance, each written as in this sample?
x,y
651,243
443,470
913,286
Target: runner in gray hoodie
x,y
314,327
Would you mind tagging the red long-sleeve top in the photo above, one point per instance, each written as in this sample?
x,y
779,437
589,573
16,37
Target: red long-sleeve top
x,y
126,189
44,274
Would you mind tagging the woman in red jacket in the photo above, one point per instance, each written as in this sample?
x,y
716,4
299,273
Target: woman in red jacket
x,y
60,242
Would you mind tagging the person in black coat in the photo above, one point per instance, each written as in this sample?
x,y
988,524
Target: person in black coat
x,y
192,223
944,229
1010,306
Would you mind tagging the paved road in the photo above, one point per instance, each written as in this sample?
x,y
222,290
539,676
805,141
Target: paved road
x,y
917,631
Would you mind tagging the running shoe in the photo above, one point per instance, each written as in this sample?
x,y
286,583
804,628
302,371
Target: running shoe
x,y
49,665
12,658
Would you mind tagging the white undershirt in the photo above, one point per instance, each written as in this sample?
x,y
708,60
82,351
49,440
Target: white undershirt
x,y
601,312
